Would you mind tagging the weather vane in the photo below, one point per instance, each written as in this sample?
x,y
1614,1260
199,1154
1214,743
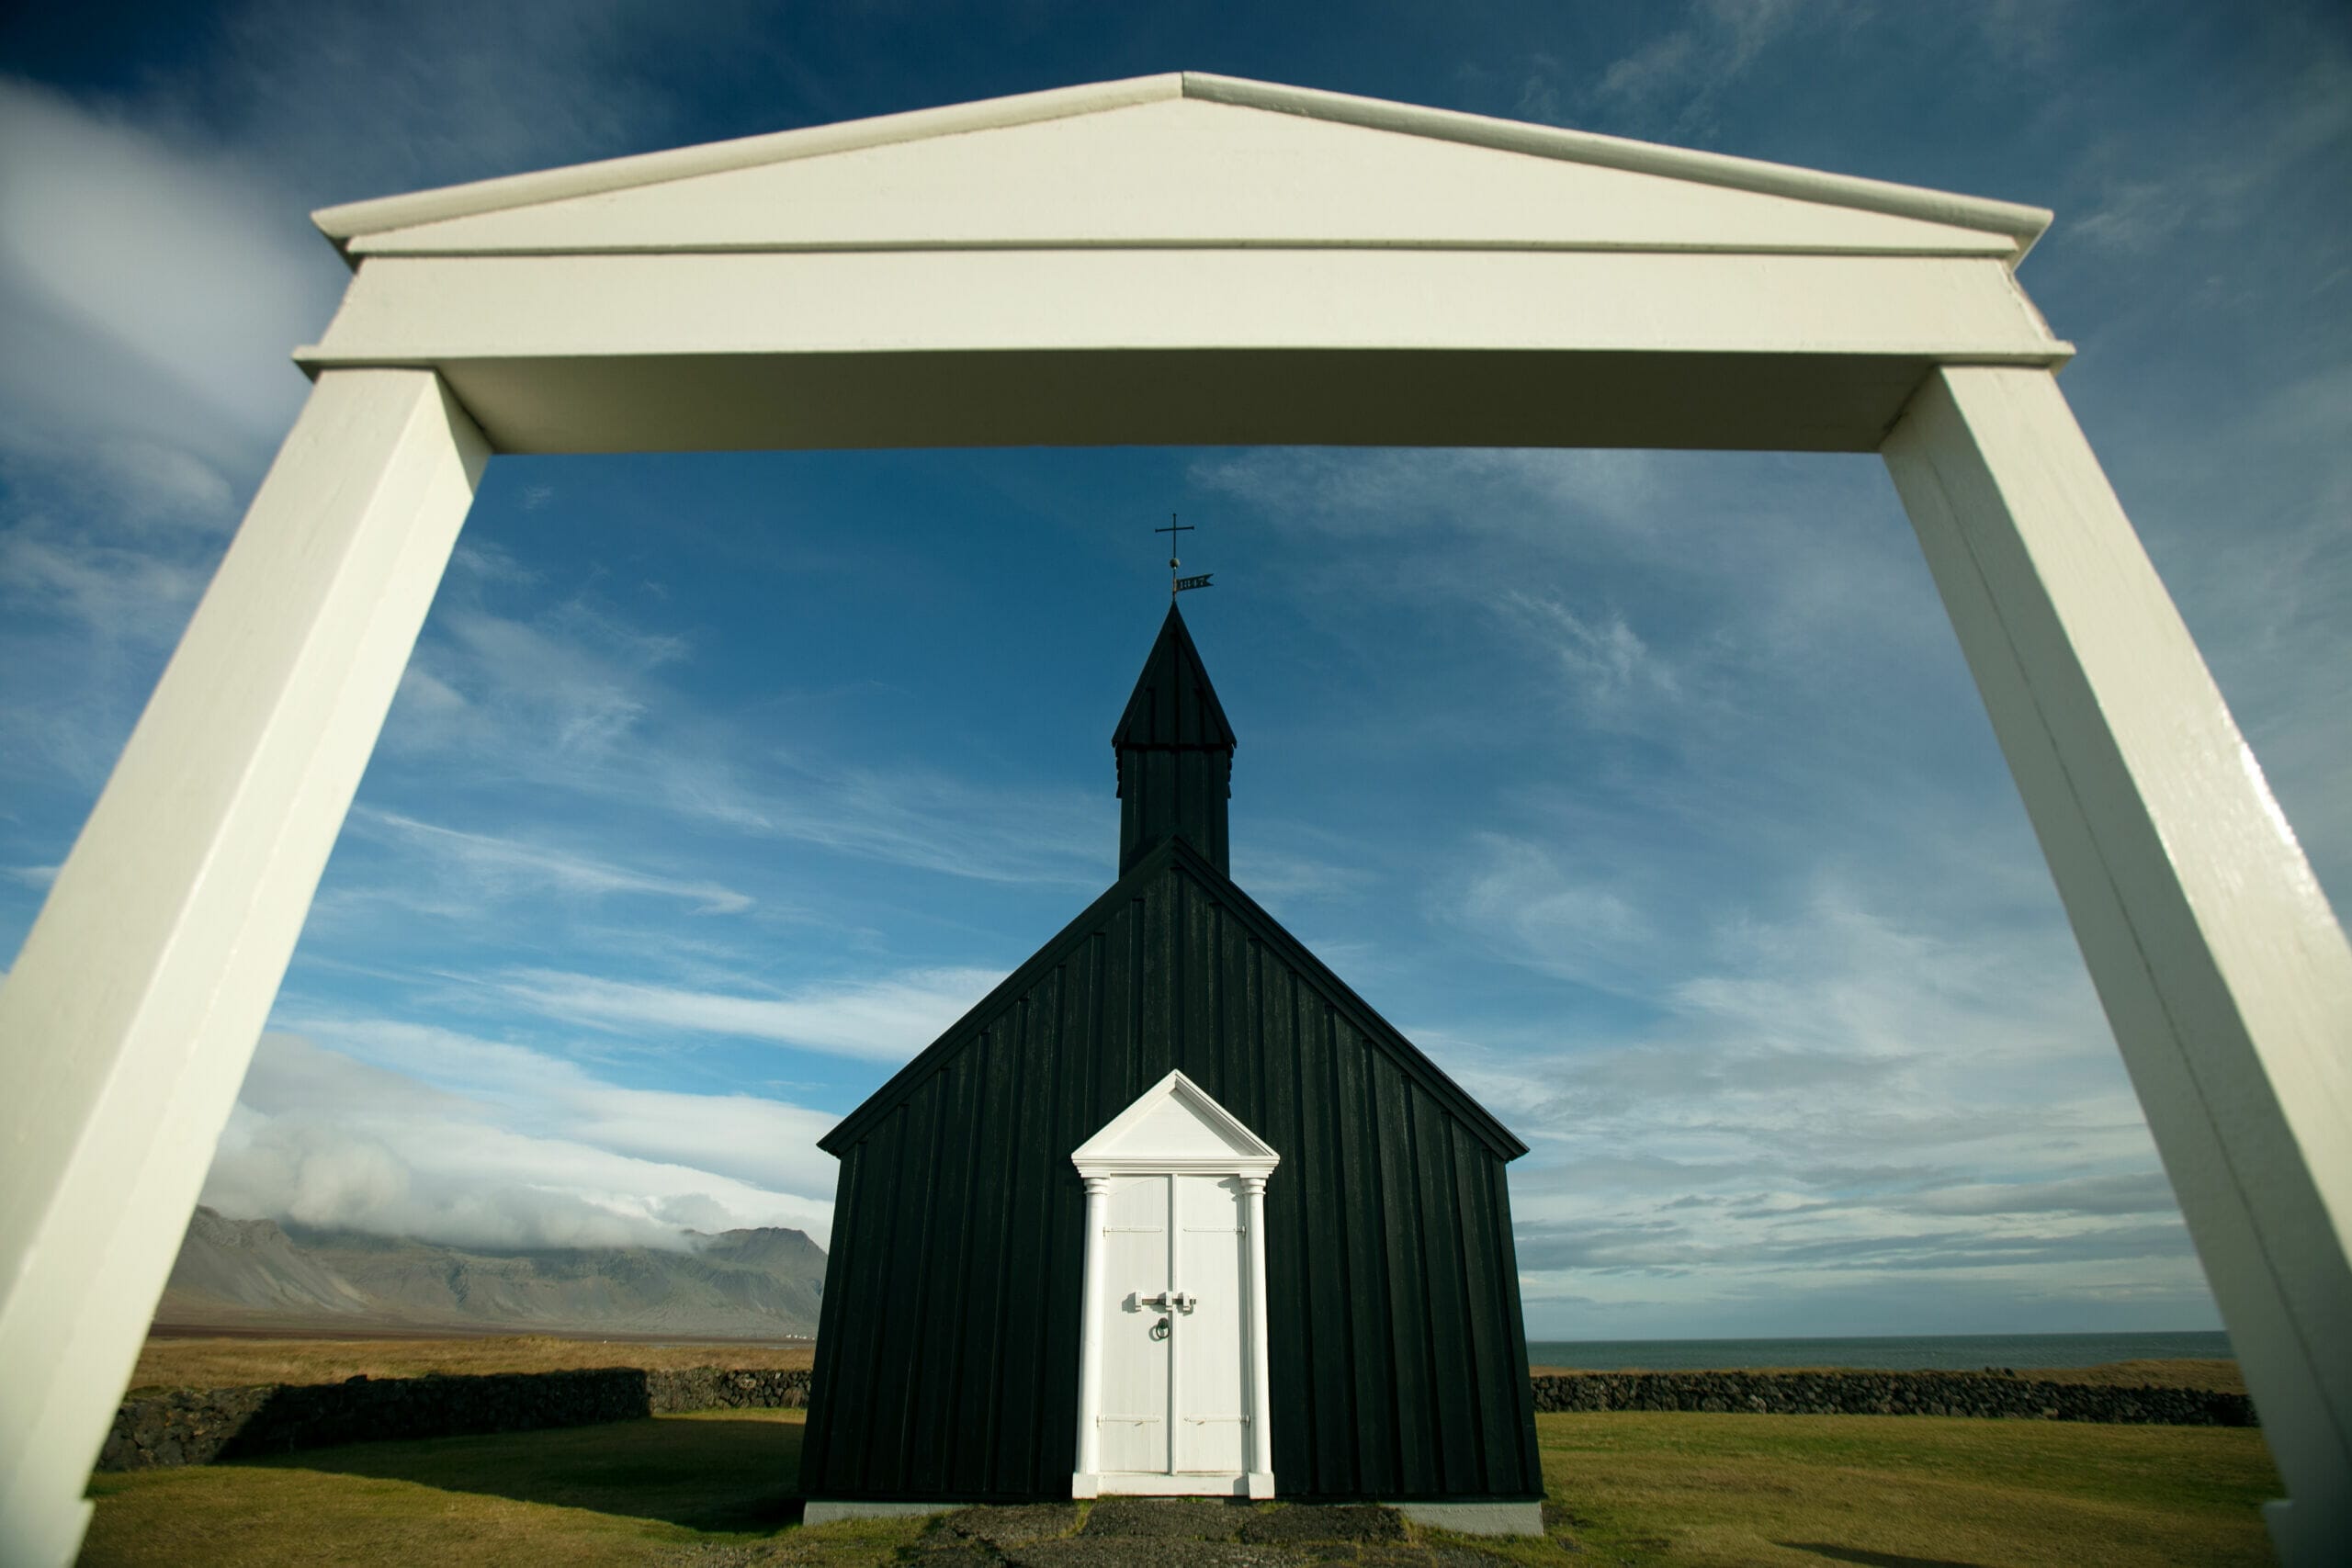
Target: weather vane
x,y
1179,584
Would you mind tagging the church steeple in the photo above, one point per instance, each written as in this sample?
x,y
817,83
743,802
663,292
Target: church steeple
x,y
1175,753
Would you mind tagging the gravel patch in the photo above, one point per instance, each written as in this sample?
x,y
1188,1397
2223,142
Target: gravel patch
x,y
1166,1518
1327,1522
1122,1552
1011,1526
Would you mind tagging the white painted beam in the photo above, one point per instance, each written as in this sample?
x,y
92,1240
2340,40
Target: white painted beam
x,y
127,1021
427,309
2222,970
702,352
1767,402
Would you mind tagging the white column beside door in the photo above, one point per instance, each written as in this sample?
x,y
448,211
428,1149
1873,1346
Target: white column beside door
x,y
130,1016
1090,1352
2221,968
1261,1403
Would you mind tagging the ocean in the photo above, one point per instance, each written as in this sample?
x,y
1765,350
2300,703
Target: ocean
x,y
1940,1352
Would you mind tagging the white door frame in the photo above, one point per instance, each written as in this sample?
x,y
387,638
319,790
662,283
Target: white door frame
x,y
1127,1146
129,1018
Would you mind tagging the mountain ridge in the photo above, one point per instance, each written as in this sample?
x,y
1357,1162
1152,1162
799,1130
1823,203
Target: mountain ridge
x,y
764,1283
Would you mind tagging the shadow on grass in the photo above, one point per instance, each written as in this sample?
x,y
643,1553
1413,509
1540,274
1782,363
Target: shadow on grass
x,y
1870,1559
735,1476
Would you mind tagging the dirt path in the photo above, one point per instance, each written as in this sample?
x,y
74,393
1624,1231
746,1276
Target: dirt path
x,y
1121,1531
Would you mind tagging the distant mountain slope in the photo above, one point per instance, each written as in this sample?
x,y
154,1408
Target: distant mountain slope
x,y
252,1266
745,1284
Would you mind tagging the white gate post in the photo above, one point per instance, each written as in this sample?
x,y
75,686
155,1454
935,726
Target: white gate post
x,y
2223,973
127,1021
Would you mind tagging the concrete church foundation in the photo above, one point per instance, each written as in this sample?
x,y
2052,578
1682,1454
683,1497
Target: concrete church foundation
x,y
1476,1519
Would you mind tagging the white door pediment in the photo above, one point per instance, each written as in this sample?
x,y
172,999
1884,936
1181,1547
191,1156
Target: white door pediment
x,y
1175,1125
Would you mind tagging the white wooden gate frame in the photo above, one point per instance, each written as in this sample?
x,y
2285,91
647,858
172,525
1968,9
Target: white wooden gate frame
x,y
1122,1149
1142,288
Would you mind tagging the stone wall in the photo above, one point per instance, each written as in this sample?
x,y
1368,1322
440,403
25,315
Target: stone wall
x,y
1892,1393
198,1426
708,1388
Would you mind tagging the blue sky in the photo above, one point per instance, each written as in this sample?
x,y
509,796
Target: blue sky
x,y
1647,791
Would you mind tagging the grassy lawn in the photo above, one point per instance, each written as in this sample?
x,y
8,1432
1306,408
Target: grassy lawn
x,y
1639,1488
612,1494
1906,1491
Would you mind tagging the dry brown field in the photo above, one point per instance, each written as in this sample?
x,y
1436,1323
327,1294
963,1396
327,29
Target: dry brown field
x,y
174,1359
2214,1377
235,1363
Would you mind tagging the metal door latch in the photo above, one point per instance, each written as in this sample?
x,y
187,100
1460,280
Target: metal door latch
x,y
1170,1301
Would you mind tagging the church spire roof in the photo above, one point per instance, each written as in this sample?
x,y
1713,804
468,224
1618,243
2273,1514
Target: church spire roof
x,y
1173,705
1175,753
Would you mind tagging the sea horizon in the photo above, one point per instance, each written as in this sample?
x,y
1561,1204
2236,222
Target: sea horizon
x,y
1892,1352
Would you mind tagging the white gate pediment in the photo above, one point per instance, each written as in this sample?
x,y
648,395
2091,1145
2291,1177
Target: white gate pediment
x,y
1182,260
1175,169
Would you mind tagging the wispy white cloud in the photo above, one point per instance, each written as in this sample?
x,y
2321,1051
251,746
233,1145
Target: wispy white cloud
x,y
1606,664
2299,130
2122,1192
170,277
884,1019
1846,1095
582,699
537,1091
569,687
1523,903
918,817
1274,877
1671,83
487,867
109,590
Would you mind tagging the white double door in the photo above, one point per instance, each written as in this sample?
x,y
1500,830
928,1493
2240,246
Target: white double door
x,y
1175,1310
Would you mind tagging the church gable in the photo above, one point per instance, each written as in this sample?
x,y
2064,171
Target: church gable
x,y
1176,967
959,1225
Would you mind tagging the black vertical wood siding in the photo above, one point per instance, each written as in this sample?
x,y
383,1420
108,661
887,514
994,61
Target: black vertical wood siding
x,y
947,1354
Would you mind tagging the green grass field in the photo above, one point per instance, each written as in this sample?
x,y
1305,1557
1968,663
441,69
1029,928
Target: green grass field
x,y
1908,1491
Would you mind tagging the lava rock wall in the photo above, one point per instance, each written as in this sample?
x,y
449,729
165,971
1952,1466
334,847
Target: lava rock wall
x,y
198,1426
191,1426
1985,1395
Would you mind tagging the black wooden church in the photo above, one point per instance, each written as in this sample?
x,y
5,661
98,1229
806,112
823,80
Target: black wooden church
x,y
1252,1135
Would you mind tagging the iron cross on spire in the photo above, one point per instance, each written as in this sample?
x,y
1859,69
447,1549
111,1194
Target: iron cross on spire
x,y
1179,584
